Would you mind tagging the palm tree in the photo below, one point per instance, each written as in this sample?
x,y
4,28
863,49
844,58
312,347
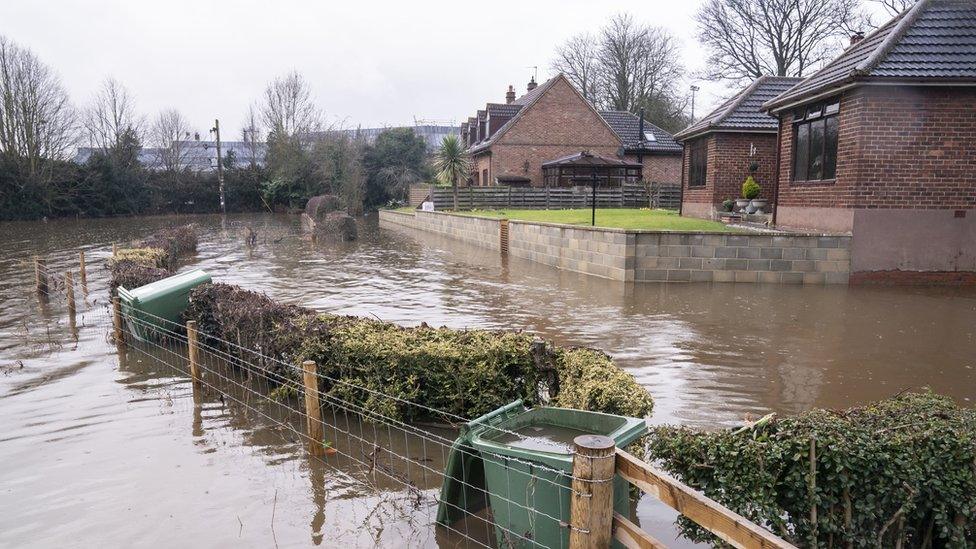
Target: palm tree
x,y
452,163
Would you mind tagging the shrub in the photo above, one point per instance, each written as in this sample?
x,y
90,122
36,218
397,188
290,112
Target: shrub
x,y
176,242
728,204
155,260
750,189
383,367
130,274
147,257
900,472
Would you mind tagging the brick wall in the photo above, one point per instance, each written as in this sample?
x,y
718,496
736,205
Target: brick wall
x,y
728,166
560,123
660,168
898,147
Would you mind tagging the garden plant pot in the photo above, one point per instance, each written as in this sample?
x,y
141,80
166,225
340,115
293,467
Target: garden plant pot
x,y
758,204
741,203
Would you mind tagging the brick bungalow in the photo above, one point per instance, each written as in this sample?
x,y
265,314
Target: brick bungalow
x,y
509,142
881,143
719,149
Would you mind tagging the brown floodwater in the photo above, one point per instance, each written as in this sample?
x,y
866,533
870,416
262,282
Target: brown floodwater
x,y
101,449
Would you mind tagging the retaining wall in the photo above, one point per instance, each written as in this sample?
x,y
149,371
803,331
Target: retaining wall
x,y
653,256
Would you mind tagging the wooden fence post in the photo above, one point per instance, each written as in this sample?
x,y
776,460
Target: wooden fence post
x,y
69,288
193,351
117,321
40,276
591,502
312,410
83,274
115,249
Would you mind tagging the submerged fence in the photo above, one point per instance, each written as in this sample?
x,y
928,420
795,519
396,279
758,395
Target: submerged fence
x,y
498,197
536,505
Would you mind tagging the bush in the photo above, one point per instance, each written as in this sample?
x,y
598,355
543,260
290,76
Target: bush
x,y
903,470
750,189
148,257
130,274
462,372
155,260
728,205
176,242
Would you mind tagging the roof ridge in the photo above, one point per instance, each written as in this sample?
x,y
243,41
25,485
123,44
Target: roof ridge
x,y
908,18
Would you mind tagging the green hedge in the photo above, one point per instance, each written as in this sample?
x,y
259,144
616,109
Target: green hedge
x,y
462,372
156,258
900,472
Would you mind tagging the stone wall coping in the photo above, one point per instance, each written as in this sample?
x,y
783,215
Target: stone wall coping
x,y
746,232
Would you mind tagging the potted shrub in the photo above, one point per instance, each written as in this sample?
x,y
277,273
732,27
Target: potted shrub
x,y
728,205
750,193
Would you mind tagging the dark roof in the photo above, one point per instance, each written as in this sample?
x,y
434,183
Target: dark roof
x,y
503,109
584,158
627,127
934,40
742,111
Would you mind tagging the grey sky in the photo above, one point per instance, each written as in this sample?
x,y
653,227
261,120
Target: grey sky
x,y
369,63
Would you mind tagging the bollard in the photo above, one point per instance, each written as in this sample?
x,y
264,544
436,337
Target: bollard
x,y
193,351
591,503
69,289
117,319
83,276
40,276
312,410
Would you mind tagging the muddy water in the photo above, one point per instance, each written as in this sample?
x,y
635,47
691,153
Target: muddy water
x,y
97,448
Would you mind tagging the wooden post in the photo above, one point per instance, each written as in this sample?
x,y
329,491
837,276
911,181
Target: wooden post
x,y
591,507
69,288
40,276
83,275
117,320
193,351
313,413
115,249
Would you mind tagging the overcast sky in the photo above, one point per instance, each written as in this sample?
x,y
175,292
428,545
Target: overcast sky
x,y
369,63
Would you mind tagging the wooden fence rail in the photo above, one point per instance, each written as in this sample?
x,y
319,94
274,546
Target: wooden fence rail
x,y
592,525
498,197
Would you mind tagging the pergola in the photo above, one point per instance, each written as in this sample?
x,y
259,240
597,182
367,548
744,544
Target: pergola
x,y
585,168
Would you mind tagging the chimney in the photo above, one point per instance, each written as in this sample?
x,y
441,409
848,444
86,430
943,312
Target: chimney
x,y
532,85
857,37
640,127
510,94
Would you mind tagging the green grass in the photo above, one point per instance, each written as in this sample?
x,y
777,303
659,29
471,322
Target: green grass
x,y
619,218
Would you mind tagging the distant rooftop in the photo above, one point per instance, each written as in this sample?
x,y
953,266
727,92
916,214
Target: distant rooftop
x,y
627,127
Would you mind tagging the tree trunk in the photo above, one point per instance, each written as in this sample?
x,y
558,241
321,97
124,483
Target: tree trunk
x,y
454,184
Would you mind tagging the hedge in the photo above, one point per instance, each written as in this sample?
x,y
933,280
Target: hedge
x,y
897,473
385,367
156,258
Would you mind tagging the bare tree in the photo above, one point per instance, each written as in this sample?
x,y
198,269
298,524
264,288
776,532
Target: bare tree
x,y
37,121
750,38
251,135
111,118
895,7
171,133
578,60
289,109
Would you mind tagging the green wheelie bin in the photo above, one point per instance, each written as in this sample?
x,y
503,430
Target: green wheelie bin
x,y
157,307
519,462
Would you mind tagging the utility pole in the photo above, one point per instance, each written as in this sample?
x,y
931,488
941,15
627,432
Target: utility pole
x,y
220,168
694,90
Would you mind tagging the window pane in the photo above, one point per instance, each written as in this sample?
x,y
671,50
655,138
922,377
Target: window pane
x,y
801,152
832,108
816,150
830,147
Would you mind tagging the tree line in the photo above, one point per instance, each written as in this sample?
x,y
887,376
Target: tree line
x,y
626,65
40,130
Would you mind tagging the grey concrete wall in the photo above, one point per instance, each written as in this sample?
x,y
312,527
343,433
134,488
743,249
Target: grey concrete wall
x,y
648,256
914,240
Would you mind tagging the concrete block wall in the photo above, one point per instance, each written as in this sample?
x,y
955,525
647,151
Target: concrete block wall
x,y
646,256
781,258
602,252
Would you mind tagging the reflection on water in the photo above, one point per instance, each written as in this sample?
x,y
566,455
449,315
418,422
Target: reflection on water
x,y
96,448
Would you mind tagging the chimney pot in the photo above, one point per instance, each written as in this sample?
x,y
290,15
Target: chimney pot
x,y
532,85
857,37
510,94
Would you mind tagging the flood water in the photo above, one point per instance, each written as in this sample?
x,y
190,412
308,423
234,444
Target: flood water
x,y
101,449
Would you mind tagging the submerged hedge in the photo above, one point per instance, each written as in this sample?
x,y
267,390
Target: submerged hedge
x,y
154,259
463,372
897,473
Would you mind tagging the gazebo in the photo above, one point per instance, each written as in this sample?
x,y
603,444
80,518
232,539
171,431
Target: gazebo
x,y
585,168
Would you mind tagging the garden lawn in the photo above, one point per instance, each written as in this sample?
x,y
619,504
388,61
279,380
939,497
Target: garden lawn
x,y
619,218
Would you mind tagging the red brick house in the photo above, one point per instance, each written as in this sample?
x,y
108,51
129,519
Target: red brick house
x,y
881,143
509,142
720,148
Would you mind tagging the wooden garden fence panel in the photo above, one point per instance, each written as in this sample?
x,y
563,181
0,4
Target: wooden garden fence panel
x,y
554,198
